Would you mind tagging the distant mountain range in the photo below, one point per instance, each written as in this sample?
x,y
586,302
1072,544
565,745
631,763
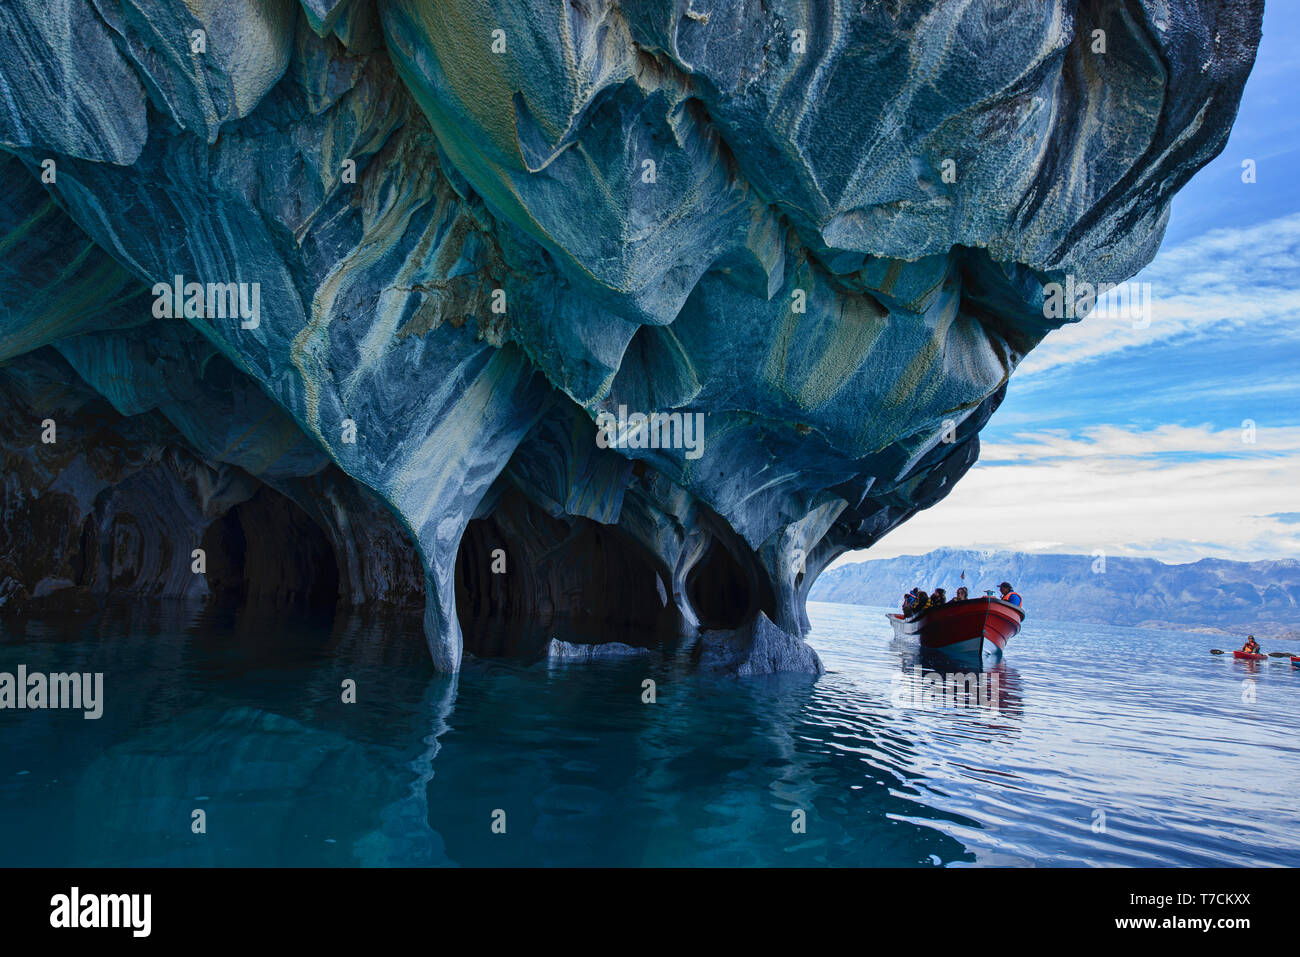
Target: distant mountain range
x,y
1211,595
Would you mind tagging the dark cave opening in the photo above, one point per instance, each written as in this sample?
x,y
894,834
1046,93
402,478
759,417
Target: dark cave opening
x,y
523,577
720,590
267,552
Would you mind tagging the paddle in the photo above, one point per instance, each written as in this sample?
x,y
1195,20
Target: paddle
x,y
1216,651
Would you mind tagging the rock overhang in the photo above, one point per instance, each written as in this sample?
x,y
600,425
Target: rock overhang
x,y
836,254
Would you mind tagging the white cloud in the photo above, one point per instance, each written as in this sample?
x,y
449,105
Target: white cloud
x,y
1174,493
1111,442
1244,278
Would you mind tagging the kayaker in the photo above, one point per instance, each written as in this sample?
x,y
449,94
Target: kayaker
x,y
1009,594
1251,647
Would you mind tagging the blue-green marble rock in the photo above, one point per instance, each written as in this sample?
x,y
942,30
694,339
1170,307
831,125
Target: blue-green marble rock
x,y
477,226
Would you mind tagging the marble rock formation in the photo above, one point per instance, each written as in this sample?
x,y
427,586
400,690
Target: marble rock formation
x,y
437,242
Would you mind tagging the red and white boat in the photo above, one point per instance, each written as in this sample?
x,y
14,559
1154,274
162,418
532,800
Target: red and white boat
x,y
973,627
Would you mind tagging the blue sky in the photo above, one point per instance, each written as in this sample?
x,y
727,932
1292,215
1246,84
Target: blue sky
x,y
1131,441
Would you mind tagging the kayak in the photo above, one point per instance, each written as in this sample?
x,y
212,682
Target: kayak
x,y
1295,660
1248,656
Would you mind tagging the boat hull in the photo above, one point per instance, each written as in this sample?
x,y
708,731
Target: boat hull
x,y
975,627
1247,656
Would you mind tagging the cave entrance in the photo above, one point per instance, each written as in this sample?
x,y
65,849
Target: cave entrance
x,y
723,595
523,577
268,552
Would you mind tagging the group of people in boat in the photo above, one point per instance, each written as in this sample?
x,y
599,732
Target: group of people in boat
x,y
918,601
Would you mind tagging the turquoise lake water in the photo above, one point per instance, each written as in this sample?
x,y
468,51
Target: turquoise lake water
x,y
1101,746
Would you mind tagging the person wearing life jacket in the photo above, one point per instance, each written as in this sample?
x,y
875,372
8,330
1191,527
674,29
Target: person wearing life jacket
x,y
1251,646
1009,594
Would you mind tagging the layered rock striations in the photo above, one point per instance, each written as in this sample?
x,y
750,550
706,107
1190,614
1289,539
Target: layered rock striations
x,y
452,237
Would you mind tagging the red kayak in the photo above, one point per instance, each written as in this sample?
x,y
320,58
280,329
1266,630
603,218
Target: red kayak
x,y
977,626
1295,661
1248,656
